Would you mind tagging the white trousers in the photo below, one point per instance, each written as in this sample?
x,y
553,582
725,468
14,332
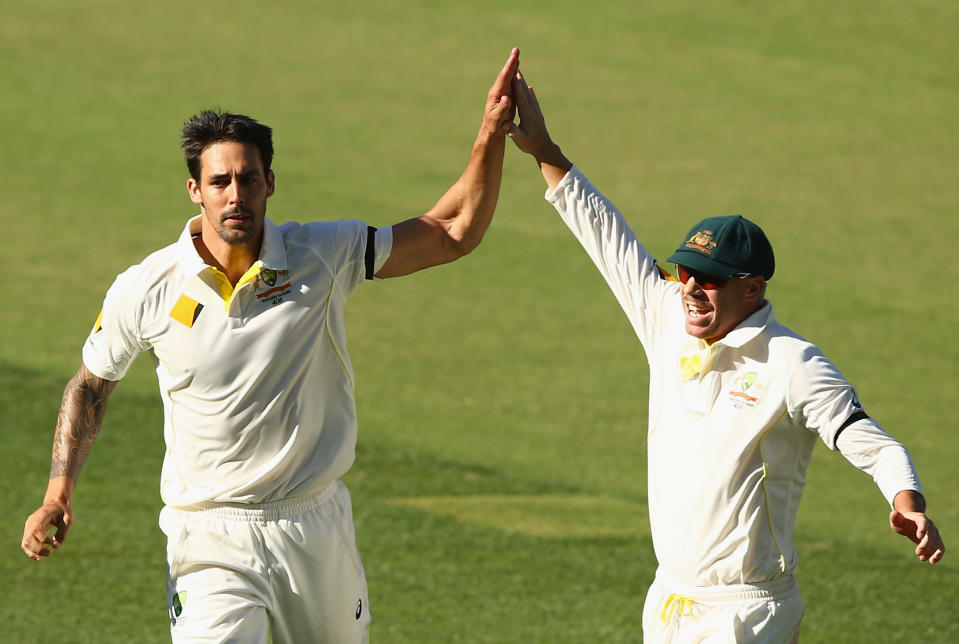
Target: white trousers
x,y
766,613
240,572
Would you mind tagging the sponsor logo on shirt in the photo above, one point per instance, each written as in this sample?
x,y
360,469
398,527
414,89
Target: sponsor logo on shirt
x,y
186,311
176,607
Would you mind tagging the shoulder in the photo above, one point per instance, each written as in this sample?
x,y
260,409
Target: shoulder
x,y
293,230
326,238
805,363
137,281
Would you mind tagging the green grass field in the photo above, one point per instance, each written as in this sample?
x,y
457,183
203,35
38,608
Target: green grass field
x,y
499,488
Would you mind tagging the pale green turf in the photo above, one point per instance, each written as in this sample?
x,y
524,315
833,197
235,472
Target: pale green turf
x,y
510,379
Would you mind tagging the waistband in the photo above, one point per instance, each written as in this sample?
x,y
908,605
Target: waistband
x,y
267,511
765,590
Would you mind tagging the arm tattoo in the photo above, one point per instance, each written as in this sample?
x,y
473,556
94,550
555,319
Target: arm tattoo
x,y
78,423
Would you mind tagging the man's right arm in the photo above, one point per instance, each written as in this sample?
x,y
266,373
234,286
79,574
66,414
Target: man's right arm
x,y
630,271
78,423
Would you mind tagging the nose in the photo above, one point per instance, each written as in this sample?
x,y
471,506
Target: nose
x,y
690,285
236,191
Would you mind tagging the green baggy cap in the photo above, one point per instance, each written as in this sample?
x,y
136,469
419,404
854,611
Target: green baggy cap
x,y
724,246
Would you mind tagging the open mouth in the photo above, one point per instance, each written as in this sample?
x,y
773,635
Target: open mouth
x,y
695,311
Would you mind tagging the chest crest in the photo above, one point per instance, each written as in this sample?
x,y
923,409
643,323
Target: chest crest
x,y
746,390
271,286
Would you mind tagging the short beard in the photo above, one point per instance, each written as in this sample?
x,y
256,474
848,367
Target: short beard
x,y
233,236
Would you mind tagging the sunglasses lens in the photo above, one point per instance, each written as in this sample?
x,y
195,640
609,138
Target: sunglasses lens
x,y
704,281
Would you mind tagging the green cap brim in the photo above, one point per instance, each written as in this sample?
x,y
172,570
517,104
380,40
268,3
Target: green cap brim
x,y
702,264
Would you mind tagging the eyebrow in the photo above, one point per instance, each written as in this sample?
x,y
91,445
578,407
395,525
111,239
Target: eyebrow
x,y
243,175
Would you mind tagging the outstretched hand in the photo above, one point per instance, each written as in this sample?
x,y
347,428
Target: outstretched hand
x,y
922,531
531,136
500,105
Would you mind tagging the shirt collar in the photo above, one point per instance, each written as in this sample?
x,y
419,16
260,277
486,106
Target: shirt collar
x,y
272,252
749,328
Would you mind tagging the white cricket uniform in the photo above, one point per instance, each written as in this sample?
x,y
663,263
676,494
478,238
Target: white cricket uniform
x,y
259,424
731,431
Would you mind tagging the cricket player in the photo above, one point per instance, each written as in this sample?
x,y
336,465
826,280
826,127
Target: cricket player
x,y
244,320
736,404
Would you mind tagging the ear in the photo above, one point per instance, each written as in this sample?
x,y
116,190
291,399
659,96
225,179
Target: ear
x,y
755,288
270,184
194,189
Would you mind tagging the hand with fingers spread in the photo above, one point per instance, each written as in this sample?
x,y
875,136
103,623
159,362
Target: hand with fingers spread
x,y
531,136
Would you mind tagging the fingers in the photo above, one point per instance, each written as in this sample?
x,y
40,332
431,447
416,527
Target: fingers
x,y
37,539
922,531
530,94
502,113
501,86
500,106
37,544
522,94
930,547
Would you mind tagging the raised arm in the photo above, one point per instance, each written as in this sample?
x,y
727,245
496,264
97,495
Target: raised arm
x,y
78,423
456,224
531,136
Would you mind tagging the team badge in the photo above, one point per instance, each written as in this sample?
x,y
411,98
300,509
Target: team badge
x,y
738,395
274,287
269,276
702,241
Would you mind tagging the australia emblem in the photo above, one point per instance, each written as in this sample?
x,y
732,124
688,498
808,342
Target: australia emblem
x,y
702,241
269,276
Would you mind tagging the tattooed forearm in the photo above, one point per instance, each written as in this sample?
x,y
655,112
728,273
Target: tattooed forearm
x,y
78,423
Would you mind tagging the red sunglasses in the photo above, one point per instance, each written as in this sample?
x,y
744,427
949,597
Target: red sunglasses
x,y
707,282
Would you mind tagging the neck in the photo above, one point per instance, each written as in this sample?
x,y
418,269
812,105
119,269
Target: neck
x,y
233,260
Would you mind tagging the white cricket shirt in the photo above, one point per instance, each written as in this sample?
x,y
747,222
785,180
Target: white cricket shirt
x,y
256,382
731,426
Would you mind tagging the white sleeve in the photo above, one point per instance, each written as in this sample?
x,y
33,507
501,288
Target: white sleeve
x,y
115,340
344,246
822,400
886,460
629,270
819,398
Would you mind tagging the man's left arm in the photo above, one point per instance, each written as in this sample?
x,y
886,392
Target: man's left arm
x,y
871,449
456,224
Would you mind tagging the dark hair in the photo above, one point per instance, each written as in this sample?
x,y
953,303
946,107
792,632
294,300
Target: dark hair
x,y
214,126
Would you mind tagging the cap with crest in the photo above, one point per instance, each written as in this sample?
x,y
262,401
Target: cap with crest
x,y
726,246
